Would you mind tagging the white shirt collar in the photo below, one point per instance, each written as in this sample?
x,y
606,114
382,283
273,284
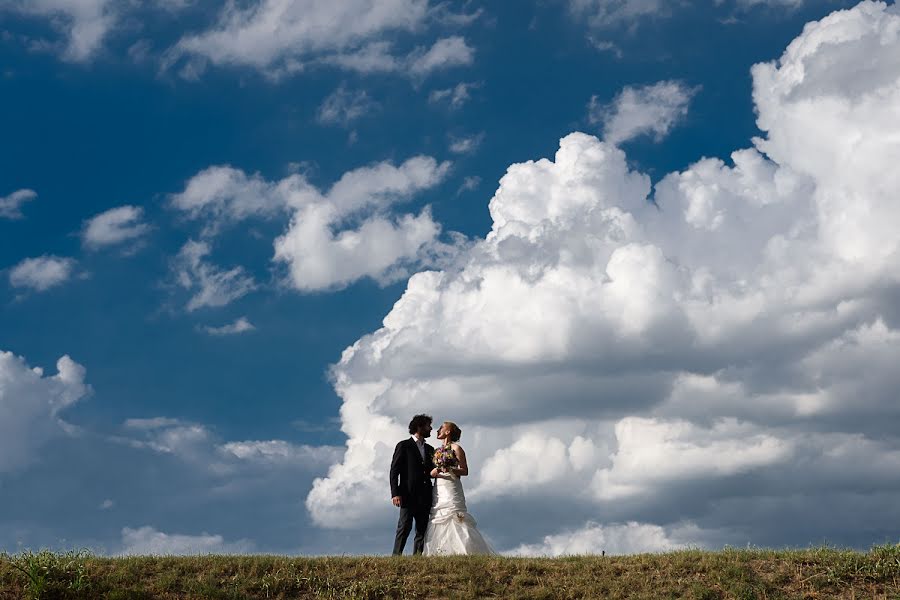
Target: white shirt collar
x,y
417,440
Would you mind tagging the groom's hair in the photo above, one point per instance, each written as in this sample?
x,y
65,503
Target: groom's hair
x,y
419,421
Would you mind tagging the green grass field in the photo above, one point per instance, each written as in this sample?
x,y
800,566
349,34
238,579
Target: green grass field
x,y
744,574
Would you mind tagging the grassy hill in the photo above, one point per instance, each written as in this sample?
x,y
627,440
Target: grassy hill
x,y
743,574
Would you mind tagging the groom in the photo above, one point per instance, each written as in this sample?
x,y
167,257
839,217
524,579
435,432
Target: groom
x,y
411,483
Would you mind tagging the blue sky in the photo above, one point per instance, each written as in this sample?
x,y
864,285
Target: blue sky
x,y
127,104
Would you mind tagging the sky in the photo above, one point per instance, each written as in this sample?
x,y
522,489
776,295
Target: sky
x,y
643,253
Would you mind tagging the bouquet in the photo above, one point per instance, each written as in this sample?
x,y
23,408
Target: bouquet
x,y
445,458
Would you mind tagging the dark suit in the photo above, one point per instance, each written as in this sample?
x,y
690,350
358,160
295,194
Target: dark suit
x,y
411,480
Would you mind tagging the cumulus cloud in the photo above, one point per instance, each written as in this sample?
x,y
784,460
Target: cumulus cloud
x,y
320,255
279,37
335,237
30,406
240,325
11,205
41,273
149,541
221,195
719,341
595,538
652,109
114,226
208,285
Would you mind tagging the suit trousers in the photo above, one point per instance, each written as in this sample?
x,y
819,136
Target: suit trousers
x,y
418,512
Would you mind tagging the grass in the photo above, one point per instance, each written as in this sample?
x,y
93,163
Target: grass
x,y
689,574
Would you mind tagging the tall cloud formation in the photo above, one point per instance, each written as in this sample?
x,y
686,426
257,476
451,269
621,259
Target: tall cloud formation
x,y
720,360
30,406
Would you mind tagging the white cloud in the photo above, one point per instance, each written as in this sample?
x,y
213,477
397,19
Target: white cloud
x,y
30,406
652,109
595,538
274,31
11,205
321,256
240,325
236,461
149,541
785,3
282,452
456,96
446,52
342,107
284,36
466,144
41,273
85,23
605,13
223,195
106,504
318,259
651,452
151,423
378,57
608,14
674,359
114,226
321,248
469,183
208,285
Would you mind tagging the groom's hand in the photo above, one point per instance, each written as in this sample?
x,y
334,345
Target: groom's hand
x,y
396,500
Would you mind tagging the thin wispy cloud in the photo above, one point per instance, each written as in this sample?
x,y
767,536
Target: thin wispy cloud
x,y
114,227
342,107
466,144
11,205
209,286
240,325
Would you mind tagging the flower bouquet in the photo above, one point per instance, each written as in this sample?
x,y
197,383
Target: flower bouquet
x,y
445,458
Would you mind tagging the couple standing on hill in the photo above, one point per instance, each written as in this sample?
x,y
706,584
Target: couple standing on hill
x,y
443,523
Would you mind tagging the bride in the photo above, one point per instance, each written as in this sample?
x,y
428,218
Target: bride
x,y
451,529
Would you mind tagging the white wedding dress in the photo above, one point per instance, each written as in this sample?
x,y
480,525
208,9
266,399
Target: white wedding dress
x,y
451,529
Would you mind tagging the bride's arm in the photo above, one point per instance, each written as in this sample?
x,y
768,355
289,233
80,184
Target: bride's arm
x,y
463,468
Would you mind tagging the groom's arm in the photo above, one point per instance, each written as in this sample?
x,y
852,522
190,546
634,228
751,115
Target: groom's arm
x,y
395,473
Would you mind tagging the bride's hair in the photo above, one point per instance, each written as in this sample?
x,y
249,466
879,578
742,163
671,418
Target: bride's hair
x,y
455,431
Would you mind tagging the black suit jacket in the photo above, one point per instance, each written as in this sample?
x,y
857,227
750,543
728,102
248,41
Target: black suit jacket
x,y
410,475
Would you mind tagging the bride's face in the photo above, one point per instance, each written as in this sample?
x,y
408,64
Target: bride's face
x,y
440,433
